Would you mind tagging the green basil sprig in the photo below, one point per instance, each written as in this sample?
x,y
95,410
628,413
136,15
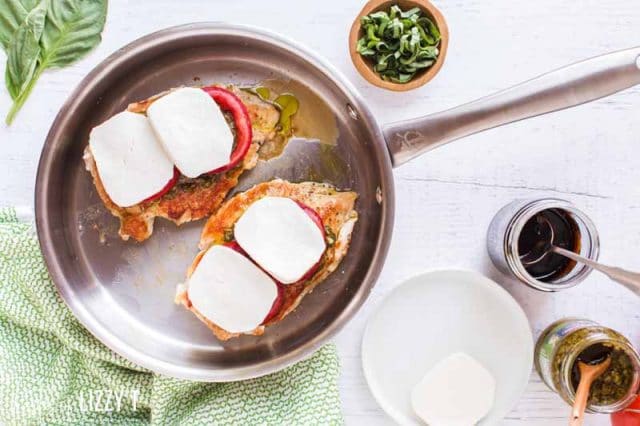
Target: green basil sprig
x,y
41,34
399,43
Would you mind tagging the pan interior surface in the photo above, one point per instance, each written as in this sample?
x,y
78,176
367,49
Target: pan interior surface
x,y
123,291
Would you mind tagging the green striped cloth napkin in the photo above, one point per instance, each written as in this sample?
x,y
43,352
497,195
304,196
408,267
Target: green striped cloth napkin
x,y
53,371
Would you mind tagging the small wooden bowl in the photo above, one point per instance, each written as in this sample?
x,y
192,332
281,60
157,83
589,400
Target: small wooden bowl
x,y
365,68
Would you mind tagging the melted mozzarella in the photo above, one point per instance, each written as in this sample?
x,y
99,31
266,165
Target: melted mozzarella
x,y
193,131
230,291
278,234
131,163
458,391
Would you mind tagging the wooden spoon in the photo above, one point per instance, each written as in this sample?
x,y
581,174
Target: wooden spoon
x,y
588,374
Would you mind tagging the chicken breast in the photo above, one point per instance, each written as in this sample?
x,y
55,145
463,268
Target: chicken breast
x,y
335,208
191,198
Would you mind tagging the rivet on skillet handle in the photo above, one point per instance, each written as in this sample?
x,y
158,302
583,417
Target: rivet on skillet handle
x,y
566,87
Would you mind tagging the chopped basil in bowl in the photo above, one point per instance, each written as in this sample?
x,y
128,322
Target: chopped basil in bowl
x,y
399,48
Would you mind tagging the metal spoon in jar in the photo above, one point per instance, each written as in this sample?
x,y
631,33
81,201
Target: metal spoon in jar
x,y
630,280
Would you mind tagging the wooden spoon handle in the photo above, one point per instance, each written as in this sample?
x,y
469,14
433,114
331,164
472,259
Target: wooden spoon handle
x,y
580,404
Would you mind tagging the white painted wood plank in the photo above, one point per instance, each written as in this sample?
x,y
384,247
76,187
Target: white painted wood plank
x,y
590,155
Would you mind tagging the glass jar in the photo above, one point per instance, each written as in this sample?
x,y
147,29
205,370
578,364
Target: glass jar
x,y
558,348
504,234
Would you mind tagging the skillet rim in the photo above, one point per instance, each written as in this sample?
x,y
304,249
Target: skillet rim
x,y
45,231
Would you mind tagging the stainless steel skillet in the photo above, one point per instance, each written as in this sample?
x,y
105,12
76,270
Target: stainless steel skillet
x,y
122,292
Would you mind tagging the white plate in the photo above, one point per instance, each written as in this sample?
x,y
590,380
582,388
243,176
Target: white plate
x,y
434,315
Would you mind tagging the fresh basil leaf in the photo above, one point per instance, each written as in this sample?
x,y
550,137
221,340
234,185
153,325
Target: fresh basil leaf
x,y
428,25
12,14
55,33
378,16
411,12
395,10
24,52
71,30
423,64
402,78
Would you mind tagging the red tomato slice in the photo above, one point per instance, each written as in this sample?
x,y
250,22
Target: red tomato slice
x,y
228,101
318,221
627,417
172,182
277,304
235,246
315,217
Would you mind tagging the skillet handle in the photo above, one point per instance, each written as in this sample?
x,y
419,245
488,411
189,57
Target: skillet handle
x,y
566,87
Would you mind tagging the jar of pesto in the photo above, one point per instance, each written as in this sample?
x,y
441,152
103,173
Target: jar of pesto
x,y
570,340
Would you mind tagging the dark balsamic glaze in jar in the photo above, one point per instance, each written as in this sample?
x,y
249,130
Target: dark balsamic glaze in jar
x,y
534,243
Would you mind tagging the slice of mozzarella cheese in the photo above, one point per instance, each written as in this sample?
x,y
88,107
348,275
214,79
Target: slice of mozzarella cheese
x,y
458,391
279,235
231,291
131,163
193,131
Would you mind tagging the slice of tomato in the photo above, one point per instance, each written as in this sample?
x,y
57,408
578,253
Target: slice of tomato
x,y
229,102
277,303
315,217
627,417
235,246
172,182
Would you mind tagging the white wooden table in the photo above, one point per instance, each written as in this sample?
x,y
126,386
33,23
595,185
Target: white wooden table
x,y
446,199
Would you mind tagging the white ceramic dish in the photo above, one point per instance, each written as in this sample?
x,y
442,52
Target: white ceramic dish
x,y
434,315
